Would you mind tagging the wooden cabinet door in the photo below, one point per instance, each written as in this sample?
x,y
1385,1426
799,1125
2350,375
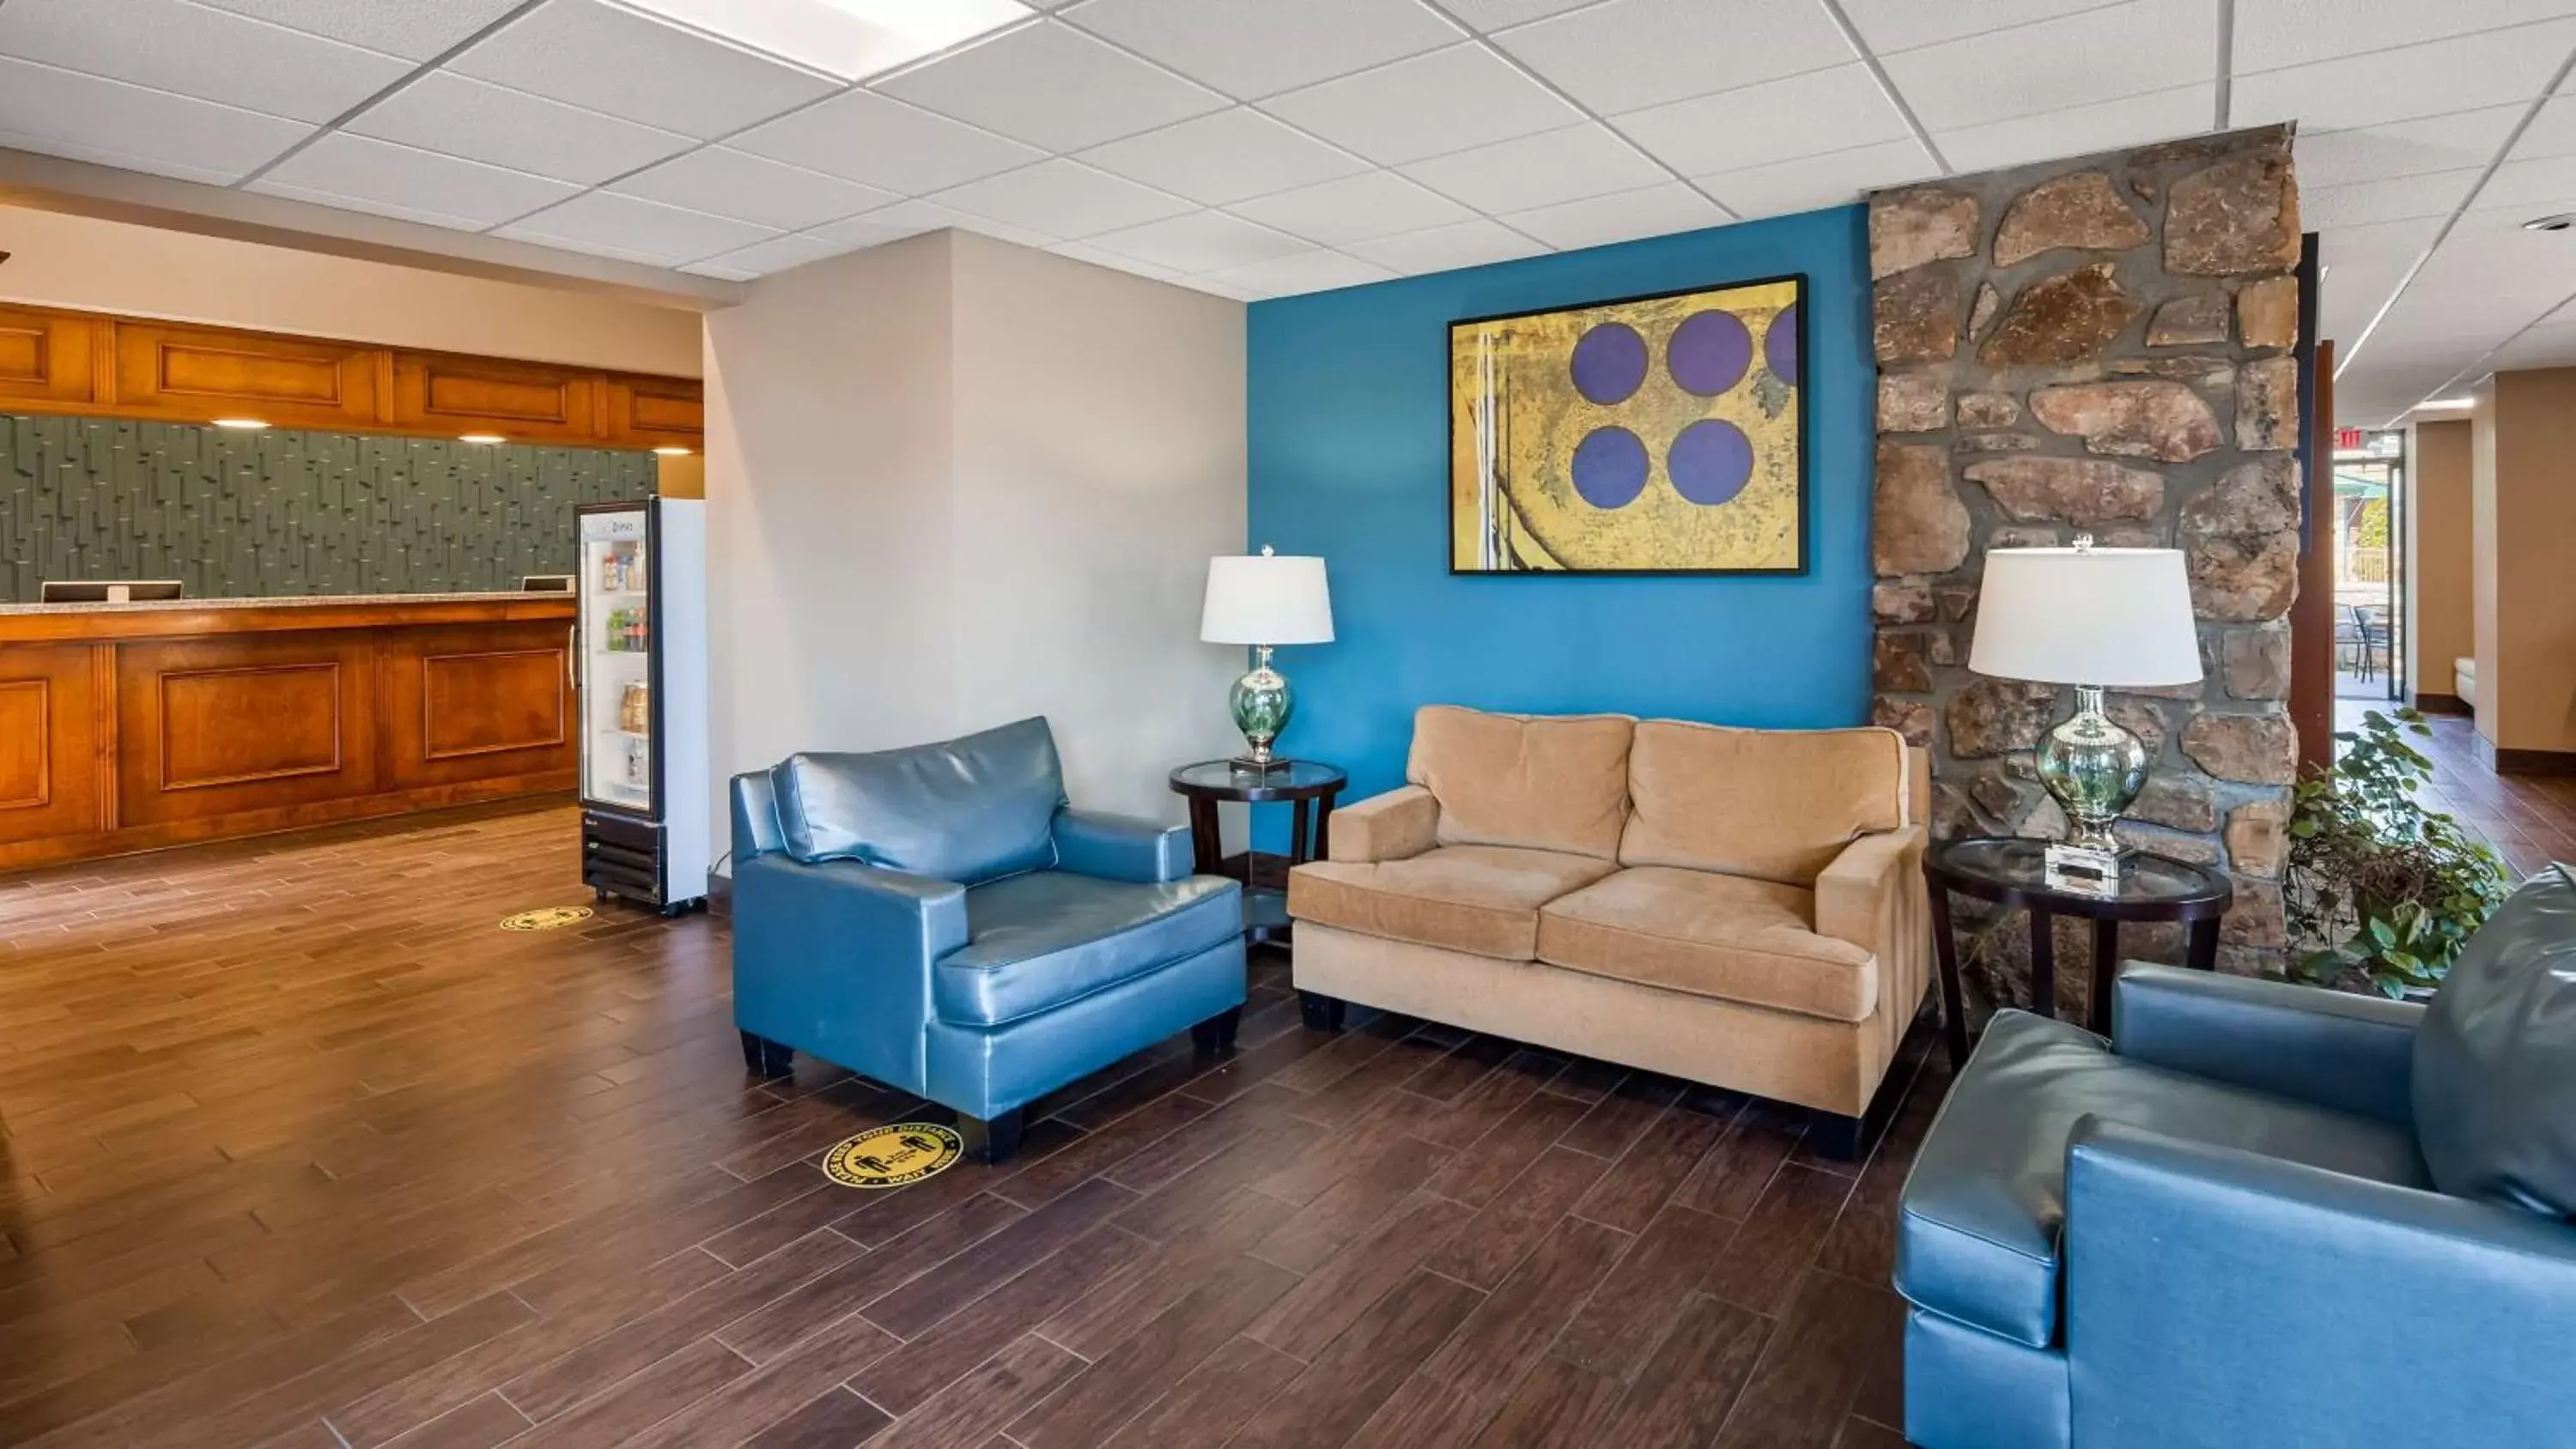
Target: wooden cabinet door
x,y
469,702
525,402
244,722
47,359
655,412
190,374
50,711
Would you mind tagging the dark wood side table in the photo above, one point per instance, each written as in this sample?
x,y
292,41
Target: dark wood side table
x,y
1309,788
2013,872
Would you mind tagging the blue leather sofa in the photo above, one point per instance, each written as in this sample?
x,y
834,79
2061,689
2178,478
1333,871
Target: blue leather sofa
x,y
2218,1228
937,919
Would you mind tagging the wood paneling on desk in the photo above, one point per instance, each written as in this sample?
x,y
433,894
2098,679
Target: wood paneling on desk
x,y
127,728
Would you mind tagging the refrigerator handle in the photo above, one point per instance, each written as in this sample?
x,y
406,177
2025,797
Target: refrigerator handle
x,y
572,658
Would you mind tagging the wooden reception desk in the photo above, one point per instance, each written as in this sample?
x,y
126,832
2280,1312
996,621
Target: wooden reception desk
x,y
129,726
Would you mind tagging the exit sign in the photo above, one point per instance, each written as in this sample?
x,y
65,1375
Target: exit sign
x,y
2347,438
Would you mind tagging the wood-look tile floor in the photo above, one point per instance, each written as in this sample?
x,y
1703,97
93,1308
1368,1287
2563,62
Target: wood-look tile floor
x,y
301,1150
2529,819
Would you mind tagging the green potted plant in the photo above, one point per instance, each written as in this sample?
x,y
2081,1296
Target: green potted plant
x,y
2379,889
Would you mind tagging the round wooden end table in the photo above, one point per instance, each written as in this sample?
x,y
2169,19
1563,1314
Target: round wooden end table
x,y
2013,872
1309,788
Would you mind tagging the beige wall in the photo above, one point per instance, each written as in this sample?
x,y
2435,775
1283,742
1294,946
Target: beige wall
x,y
63,260
2439,554
952,482
2525,536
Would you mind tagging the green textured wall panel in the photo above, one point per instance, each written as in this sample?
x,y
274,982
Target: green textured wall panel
x,y
246,515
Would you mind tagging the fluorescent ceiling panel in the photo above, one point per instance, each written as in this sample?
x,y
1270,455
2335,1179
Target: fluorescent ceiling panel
x,y
852,39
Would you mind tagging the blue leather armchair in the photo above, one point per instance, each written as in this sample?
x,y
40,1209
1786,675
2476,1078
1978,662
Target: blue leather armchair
x,y
937,919
2217,1229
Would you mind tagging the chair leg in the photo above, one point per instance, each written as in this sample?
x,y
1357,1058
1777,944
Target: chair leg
x,y
765,1058
1322,1013
1216,1034
1836,1136
991,1139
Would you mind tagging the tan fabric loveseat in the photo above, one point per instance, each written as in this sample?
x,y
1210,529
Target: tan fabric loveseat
x,y
1739,907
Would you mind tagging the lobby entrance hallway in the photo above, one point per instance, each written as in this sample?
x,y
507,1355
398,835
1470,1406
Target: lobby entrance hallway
x,y
303,1149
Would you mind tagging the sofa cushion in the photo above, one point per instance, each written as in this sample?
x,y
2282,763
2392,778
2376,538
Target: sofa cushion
x,y
1719,936
2495,1058
1538,782
1482,899
1981,1226
965,810
1037,941
1773,804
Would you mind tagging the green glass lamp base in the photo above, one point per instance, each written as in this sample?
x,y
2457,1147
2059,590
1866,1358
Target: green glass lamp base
x,y
1262,704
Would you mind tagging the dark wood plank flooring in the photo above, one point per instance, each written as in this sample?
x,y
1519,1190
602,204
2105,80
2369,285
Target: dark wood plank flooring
x,y
2529,819
297,1148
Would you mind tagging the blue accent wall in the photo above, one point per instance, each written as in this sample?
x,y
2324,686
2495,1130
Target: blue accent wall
x,y
1350,460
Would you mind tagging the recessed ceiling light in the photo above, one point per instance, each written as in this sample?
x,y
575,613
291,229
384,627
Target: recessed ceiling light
x,y
2559,222
669,452
852,39
245,425
2447,402
486,439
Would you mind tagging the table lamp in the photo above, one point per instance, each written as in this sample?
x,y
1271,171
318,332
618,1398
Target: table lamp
x,y
1265,600
2093,618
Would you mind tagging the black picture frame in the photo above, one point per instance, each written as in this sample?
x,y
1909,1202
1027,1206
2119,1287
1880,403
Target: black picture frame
x,y
1806,485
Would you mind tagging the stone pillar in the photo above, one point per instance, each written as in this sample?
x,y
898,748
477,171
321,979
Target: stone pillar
x,y
2101,345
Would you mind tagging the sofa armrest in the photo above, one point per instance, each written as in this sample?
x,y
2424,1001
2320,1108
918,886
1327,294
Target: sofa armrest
x,y
2216,1296
755,815
2326,1048
1391,826
1120,847
834,958
1862,896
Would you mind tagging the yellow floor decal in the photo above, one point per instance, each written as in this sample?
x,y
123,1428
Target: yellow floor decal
x,y
549,919
894,1155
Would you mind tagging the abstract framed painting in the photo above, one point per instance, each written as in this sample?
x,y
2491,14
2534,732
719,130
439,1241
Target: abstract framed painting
x,y
1648,435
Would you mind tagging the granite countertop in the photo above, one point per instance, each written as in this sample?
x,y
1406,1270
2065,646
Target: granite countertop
x,y
290,601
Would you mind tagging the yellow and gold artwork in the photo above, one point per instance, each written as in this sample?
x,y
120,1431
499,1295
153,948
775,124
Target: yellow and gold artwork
x,y
1650,435
892,1155
550,918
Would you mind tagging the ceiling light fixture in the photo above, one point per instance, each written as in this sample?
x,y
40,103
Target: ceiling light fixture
x,y
2446,402
2559,222
241,425
485,439
667,451
852,39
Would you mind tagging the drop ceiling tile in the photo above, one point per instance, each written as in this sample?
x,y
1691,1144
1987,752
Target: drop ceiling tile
x,y
1060,199
597,56
1631,54
1651,211
1446,101
2055,65
2275,33
211,55
869,138
1487,16
460,116
2398,198
912,218
1467,244
1888,26
1053,87
1114,261
1540,170
1215,288
737,184
2080,130
2406,148
65,113
2400,242
2552,131
1356,208
2530,188
1805,115
719,272
778,254
1253,48
2399,85
412,29
1314,271
1838,178
1224,157
603,221
1200,241
379,176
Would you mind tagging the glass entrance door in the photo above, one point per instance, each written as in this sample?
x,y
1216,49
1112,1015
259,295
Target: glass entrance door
x,y
2369,564
617,660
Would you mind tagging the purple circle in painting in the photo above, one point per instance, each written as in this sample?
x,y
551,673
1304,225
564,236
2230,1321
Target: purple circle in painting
x,y
1609,363
1709,352
1609,467
1710,462
1780,345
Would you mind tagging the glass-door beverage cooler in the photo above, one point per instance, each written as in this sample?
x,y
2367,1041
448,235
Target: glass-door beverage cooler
x,y
643,664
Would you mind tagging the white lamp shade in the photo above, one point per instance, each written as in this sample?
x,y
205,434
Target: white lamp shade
x,y
1267,598
2119,617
